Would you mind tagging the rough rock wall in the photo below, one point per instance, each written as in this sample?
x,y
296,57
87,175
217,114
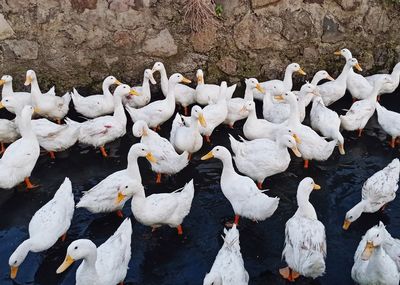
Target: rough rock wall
x,y
79,42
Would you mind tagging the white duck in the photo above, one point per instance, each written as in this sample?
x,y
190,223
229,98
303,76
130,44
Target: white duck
x,y
285,85
49,105
8,132
156,113
105,265
275,111
188,138
361,111
94,106
377,191
102,197
389,121
101,130
51,136
389,87
47,225
306,94
161,209
241,191
235,105
184,95
358,85
332,91
24,97
327,122
305,239
262,158
228,267
167,160
208,93
312,146
372,262
144,92
321,75
20,157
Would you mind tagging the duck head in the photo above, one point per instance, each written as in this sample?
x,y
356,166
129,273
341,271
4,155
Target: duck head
x,y
295,67
374,238
345,53
140,128
5,79
30,76
148,73
197,114
253,83
78,249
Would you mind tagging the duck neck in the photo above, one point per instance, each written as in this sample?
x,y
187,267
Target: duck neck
x,y
164,81
119,112
7,89
294,116
171,94
375,92
23,249
106,91
227,166
345,72
267,100
306,209
248,94
252,116
25,127
35,89
88,266
288,80
316,79
133,167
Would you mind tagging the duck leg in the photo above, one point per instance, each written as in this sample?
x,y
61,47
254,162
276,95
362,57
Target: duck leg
x,y
378,98
2,148
190,156
354,100
158,180
393,142
52,156
58,121
64,237
29,185
306,164
120,214
186,110
259,185
208,139
236,222
103,151
231,126
289,274
180,231
360,132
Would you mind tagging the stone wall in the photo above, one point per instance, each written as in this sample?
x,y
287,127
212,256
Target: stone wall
x,y
79,42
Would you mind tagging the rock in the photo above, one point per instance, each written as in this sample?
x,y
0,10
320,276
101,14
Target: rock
x,y
310,53
24,49
81,5
204,40
331,31
228,65
376,21
120,5
299,26
262,3
122,38
162,45
349,5
5,29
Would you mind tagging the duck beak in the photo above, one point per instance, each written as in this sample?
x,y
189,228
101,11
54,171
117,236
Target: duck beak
x,y
202,121
259,88
67,263
341,149
144,133
208,156
185,80
152,80
120,197
243,110
14,271
279,98
346,224
296,138
330,78
368,250
2,82
301,71
36,110
28,81
150,157
358,66
133,92
200,79
117,82
337,52
1,105
153,70
316,187
296,151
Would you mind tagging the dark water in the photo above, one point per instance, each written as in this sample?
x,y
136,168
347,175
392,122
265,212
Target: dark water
x,y
163,258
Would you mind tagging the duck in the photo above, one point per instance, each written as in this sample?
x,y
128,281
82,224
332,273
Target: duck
x,y
7,91
312,146
49,105
51,136
361,111
261,158
236,104
388,120
286,84
228,267
208,93
167,160
304,97
161,209
8,132
21,156
377,192
158,112
103,265
101,130
321,75
275,111
184,95
144,91
305,238
94,106
47,225
246,199
372,263
188,138
390,87
332,91
103,197
327,122
358,86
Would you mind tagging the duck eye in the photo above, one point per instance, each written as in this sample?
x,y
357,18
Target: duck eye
x,y
142,149
126,187
377,235
15,262
76,247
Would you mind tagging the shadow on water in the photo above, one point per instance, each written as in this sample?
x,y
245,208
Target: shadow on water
x,y
163,257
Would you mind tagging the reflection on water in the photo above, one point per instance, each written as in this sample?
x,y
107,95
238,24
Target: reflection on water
x,y
164,258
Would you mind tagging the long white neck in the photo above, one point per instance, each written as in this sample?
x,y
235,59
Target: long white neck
x,y
133,167
164,81
88,266
138,201
106,91
227,166
248,93
171,94
375,92
119,112
25,127
267,99
288,80
345,72
7,89
294,116
35,89
252,117
306,209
